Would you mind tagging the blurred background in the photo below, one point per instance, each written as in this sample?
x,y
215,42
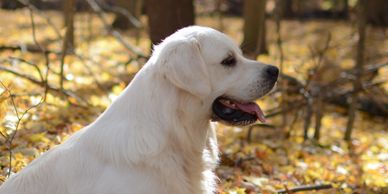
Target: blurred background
x,y
63,62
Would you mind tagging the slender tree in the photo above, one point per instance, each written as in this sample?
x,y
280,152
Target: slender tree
x,y
68,11
358,69
68,41
254,28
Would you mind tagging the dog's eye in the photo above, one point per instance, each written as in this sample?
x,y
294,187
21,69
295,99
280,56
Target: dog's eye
x,y
229,61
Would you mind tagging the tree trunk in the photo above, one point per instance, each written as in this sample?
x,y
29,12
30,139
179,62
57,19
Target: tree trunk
x,y
167,16
68,41
286,10
254,28
358,69
318,117
377,12
345,8
131,7
68,10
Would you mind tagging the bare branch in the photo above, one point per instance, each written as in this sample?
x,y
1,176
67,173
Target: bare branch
x,y
30,6
48,20
67,93
116,9
24,48
94,5
305,188
45,54
31,64
9,139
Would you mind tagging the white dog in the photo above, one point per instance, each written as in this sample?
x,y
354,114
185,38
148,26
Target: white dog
x,y
155,138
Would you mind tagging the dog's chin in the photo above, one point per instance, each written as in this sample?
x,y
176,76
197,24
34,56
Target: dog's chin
x,y
236,113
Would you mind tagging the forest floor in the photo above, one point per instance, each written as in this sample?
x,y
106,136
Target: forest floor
x,y
271,161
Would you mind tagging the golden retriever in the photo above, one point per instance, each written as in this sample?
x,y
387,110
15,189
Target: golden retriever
x,y
156,136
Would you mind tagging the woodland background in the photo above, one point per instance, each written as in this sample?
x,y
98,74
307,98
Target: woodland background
x,y
63,62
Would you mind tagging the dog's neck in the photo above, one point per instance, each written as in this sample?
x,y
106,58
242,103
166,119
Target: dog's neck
x,y
180,117
187,115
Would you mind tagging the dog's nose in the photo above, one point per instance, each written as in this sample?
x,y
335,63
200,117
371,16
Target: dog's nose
x,y
272,72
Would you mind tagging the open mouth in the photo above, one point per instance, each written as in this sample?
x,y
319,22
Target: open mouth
x,y
234,112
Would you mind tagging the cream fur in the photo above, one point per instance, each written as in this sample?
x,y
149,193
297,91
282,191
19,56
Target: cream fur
x,y
155,137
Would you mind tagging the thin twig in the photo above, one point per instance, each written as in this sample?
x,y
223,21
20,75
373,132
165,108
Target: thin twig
x,y
90,71
320,54
24,48
305,188
96,8
43,50
31,7
116,9
279,45
65,92
29,63
10,138
273,114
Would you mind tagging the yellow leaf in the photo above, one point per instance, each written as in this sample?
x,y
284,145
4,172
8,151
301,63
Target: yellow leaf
x,y
237,191
39,137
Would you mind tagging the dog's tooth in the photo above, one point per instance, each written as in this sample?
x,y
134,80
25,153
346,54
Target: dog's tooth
x,y
225,101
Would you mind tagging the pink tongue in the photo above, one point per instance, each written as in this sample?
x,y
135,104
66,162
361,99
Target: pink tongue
x,y
252,108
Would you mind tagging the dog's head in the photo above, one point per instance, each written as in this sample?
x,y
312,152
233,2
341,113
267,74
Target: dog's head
x,y
210,66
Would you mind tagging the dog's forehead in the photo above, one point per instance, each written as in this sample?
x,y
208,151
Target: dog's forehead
x,y
208,37
216,46
213,45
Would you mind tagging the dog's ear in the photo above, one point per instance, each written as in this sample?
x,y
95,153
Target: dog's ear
x,y
183,65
